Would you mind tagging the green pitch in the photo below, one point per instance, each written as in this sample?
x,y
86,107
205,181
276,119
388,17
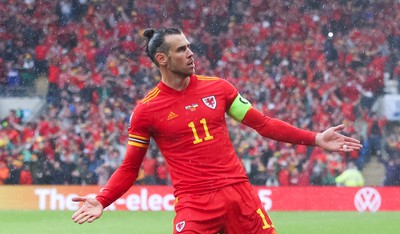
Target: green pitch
x,y
59,222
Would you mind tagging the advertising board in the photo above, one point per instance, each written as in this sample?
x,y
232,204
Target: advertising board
x,y
161,198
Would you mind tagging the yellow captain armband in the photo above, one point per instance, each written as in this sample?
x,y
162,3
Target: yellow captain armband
x,y
239,108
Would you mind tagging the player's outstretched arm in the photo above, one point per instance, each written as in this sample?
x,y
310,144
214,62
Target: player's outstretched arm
x,y
120,182
279,130
90,210
332,140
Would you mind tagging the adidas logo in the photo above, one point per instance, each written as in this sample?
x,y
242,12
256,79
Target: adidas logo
x,y
171,115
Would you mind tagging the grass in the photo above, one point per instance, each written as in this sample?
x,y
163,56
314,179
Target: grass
x,y
59,222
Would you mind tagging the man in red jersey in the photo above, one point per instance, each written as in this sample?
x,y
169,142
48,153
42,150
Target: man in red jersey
x,y
185,115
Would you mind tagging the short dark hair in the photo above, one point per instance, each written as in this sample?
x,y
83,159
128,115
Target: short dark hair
x,y
155,41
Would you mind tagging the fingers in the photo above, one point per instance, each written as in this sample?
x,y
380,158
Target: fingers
x,y
349,139
91,219
90,210
76,214
338,128
350,146
352,143
79,199
84,217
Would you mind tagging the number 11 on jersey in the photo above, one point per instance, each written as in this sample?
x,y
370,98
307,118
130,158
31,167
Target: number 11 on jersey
x,y
197,139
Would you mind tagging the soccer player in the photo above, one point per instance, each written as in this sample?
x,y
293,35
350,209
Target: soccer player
x,y
185,115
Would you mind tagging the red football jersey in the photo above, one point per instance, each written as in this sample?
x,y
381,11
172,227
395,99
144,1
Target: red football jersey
x,y
190,130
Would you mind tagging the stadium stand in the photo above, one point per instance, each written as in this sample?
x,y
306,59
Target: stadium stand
x,y
311,63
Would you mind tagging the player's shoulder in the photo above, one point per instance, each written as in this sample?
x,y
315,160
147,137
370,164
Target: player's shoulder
x,y
211,79
207,78
215,83
151,95
143,106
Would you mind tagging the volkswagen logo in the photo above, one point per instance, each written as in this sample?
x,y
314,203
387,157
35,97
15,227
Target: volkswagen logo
x,y
367,199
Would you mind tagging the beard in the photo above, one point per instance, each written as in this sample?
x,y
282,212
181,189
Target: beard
x,y
183,73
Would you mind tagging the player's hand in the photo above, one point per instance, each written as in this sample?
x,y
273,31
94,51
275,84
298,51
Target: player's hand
x,y
332,140
90,210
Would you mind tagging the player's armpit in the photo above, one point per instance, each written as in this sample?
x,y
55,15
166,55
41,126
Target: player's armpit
x,y
277,129
124,177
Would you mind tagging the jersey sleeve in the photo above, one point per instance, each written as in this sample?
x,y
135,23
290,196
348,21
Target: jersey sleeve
x,y
277,129
124,177
242,111
126,174
237,106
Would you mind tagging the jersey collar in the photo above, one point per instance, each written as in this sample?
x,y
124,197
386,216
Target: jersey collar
x,y
192,84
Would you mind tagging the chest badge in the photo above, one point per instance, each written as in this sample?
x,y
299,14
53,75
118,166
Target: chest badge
x,y
210,102
180,226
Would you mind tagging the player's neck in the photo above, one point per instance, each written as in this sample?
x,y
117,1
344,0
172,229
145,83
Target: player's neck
x,y
177,83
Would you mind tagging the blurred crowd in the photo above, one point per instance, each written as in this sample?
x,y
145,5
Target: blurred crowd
x,y
312,63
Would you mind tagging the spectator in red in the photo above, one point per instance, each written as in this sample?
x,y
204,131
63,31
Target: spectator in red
x,y
26,130
54,129
54,72
372,84
41,56
13,118
149,168
4,172
294,177
25,177
43,126
12,134
304,177
284,174
162,171
375,134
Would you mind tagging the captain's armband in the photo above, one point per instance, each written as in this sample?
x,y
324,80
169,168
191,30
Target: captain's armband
x,y
239,108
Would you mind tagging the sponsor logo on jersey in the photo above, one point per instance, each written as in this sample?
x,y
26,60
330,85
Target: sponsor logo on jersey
x,y
172,115
180,226
191,107
210,102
